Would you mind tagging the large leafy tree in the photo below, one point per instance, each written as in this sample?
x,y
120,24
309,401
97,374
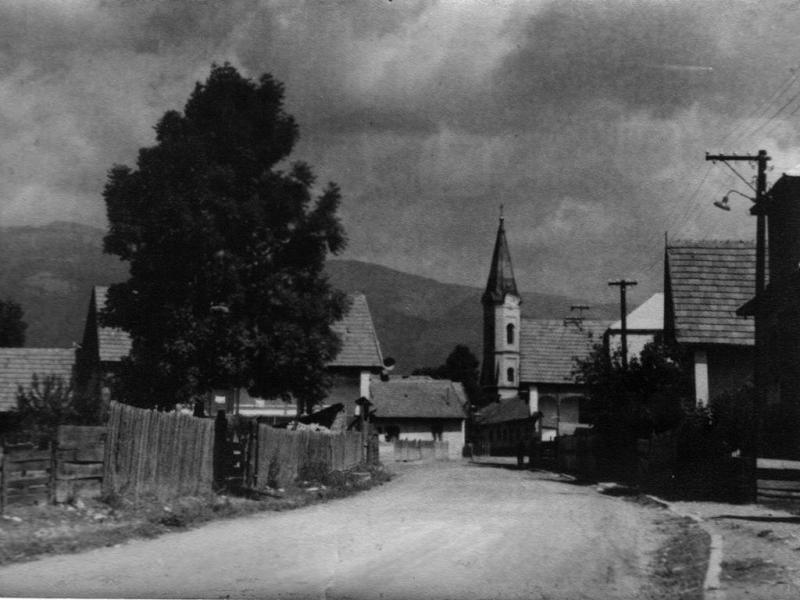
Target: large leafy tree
x,y
12,327
461,365
226,246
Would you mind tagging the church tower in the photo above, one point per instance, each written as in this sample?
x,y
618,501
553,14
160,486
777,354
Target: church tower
x,y
501,324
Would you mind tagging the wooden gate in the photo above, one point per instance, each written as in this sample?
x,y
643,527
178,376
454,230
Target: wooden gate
x,y
26,476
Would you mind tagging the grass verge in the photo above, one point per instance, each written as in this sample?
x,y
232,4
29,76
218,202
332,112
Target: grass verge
x,y
28,532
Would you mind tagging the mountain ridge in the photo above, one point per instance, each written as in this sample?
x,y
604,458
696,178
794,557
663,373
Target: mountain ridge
x,y
50,270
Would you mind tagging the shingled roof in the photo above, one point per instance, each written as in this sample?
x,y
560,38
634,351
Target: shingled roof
x,y
548,348
360,347
113,344
18,365
418,397
706,282
504,410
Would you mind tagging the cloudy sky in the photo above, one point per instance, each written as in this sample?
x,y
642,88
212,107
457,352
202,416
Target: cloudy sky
x,y
588,121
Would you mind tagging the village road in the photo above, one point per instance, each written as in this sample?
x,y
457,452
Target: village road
x,y
441,531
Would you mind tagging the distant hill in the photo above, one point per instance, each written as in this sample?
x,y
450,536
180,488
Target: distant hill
x,y
50,270
420,320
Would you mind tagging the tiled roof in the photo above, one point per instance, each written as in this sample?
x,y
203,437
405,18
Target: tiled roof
x,y
648,316
506,409
360,347
18,365
113,344
548,348
709,280
418,397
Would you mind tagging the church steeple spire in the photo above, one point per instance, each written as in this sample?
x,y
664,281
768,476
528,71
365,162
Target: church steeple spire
x,y
501,324
501,273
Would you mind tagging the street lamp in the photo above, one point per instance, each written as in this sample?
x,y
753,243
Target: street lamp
x,y
724,204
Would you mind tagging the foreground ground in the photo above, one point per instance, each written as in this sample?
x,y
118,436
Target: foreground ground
x,y
441,531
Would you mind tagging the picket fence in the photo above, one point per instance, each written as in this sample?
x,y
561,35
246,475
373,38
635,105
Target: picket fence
x,y
150,453
278,457
413,450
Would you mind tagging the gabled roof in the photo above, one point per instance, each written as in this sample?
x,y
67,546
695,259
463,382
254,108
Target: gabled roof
x,y
648,316
501,274
360,347
504,410
708,281
113,344
418,397
18,365
548,348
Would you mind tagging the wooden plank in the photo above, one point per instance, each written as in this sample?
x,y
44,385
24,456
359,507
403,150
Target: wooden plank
x,y
95,453
77,488
775,474
20,456
29,465
71,437
31,482
69,470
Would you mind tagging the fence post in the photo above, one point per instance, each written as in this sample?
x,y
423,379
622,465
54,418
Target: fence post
x,y
220,450
3,472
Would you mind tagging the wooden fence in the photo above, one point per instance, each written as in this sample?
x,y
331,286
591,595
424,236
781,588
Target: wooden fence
x,y
79,454
25,477
157,454
277,457
413,450
778,480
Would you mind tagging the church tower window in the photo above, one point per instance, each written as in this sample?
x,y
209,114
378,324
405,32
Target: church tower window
x,y
510,374
510,333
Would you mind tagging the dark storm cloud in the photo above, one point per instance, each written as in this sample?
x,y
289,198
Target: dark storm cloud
x,y
587,120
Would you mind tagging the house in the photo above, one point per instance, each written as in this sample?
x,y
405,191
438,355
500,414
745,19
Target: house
x,y
643,325
531,359
101,350
360,357
705,282
778,311
502,425
19,365
419,408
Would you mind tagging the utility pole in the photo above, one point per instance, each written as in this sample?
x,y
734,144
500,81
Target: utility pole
x,y
759,209
623,309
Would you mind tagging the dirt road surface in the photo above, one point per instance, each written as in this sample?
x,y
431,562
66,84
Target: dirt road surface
x,y
441,531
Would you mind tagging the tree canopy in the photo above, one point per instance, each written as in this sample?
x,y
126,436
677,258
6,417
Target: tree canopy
x,y
226,243
647,395
461,365
12,327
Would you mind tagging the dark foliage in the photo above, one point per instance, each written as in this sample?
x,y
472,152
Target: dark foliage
x,y
461,365
49,402
647,396
226,253
12,327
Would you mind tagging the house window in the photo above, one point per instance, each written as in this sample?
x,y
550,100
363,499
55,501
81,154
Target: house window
x,y
510,374
510,333
437,429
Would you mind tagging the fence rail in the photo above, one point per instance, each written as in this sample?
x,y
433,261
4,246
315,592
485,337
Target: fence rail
x,y
154,453
79,455
26,477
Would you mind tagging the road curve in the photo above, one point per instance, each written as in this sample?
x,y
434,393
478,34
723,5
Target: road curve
x,y
441,531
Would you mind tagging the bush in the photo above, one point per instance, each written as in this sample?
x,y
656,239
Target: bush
x,y
49,402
